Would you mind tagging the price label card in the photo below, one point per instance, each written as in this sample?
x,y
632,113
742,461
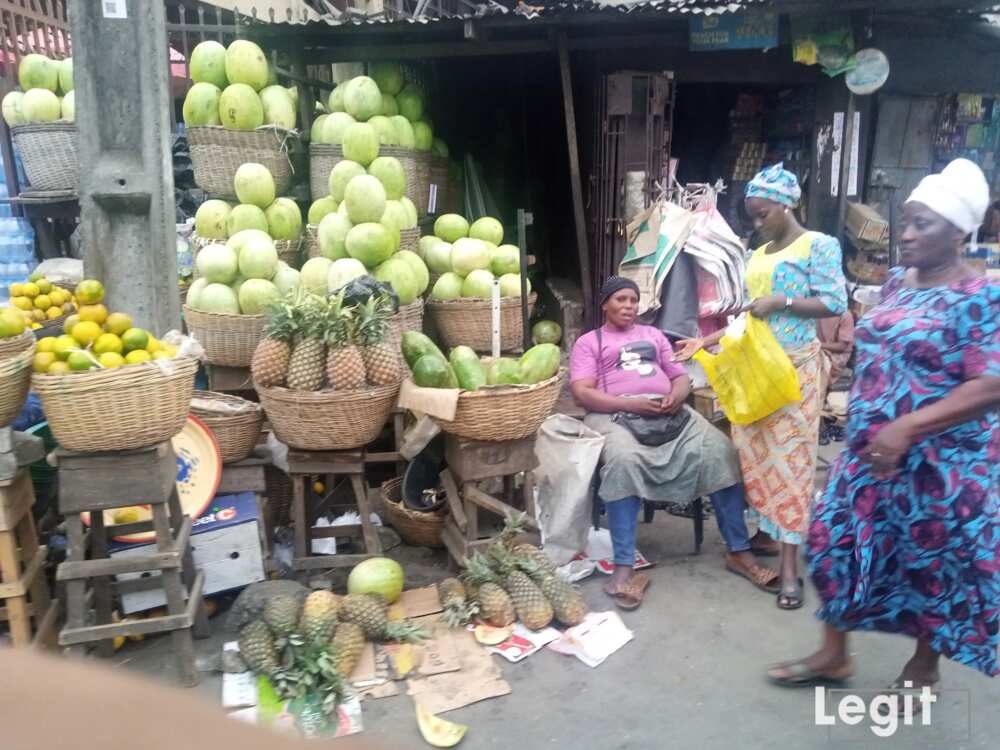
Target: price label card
x,y
432,200
115,8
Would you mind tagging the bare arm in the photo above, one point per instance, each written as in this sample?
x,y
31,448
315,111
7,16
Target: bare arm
x,y
585,391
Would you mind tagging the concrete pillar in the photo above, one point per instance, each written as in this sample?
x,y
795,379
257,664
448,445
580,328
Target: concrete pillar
x,y
123,105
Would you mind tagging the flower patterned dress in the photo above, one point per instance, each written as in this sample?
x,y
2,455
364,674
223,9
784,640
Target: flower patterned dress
x,y
918,554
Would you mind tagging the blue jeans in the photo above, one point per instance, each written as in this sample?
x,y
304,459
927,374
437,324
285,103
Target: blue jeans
x,y
729,504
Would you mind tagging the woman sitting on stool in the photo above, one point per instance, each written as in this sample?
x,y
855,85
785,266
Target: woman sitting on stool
x,y
622,371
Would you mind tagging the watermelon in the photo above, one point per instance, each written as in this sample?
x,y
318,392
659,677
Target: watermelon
x,y
431,371
504,371
539,363
416,345
468,369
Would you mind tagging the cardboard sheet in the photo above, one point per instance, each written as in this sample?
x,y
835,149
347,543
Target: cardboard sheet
x,y
438,402
419,602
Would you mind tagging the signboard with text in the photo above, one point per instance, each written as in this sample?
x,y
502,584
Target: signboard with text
x,y
734,31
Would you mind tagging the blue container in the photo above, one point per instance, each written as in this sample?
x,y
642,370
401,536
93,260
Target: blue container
x,y
17,253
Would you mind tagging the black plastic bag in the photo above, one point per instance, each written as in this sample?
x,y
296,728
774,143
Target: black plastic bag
x,y
359,290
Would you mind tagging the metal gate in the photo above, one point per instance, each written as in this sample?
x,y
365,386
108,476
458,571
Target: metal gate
x,y
634,118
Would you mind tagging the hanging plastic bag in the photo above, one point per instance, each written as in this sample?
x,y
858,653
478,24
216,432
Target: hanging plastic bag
x,y
568,452
752,376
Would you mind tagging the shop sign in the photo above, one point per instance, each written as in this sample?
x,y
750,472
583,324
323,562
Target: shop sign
x,y
733,31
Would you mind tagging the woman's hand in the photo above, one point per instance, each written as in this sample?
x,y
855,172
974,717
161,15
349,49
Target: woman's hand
x,y
687,348
886,450
763,307
647,407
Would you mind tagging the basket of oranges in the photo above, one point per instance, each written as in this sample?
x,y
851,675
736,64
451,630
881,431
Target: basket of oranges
x,y
106,384
17,346
43,304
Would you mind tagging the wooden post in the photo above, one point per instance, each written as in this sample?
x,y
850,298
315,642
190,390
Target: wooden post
x,y
574,167
847,144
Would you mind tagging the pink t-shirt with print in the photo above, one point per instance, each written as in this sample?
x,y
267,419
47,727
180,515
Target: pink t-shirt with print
x,y
632,362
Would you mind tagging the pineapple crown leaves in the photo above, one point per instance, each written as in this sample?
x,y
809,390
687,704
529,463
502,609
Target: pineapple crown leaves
x,y
479,570
339,322
404,631
281,319
513,525
372,322
312,316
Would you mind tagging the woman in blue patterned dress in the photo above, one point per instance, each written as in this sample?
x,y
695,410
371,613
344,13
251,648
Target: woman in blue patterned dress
x,y
906,538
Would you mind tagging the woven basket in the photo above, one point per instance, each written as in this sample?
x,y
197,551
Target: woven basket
x,y
227,339
236,428
421,192
322,158
415,528
328,420
119,409
504,412
311,241
469,321
409,318
16,355
409,239
439,177
216,154
48,151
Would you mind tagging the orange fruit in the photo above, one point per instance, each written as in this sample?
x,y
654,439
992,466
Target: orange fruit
x,y
137,356
108,342
96,313
53,312
11,323
117,323
38,315
64,345
159,355
42,302
71,321
21,303
46,344
81,360
15,290
57,368
86,332
111,360
42,361
135,338
89,292
30,290
44,286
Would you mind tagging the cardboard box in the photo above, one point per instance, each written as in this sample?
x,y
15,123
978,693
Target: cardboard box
x,y
225,544
865,224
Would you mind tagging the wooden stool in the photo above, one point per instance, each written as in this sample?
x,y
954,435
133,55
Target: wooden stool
x,y
229,379
248,476
22,565
95,482
398,417
470,462
332,464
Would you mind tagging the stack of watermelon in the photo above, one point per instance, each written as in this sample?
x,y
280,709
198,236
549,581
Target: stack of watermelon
x,y
464,369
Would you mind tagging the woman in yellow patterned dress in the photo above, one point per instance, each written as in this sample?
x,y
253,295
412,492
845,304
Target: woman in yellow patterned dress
x,y
792,279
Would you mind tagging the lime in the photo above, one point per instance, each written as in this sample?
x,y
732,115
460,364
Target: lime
x,y
81,360
135,338
44,285
89,292
64,345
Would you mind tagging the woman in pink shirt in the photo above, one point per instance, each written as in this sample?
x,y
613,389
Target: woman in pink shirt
x,y
624,368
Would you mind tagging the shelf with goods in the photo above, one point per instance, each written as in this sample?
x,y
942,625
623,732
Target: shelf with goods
x,y
968,127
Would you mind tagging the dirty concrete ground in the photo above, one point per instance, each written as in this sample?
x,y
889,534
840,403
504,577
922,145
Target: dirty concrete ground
x,y
691,678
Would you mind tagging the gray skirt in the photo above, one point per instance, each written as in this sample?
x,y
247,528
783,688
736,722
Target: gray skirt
x,y
701,460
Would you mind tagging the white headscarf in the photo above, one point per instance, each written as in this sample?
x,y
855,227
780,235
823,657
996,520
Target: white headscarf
x,y
960,194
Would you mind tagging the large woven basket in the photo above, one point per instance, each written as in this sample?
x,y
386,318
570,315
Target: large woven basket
x,y
228,340
469,322
234,421
409,239
438,171
289,251
48,152
322,158
16,355
421,192
503,412
311,241
119,409
328,420
217,152
416,528
408,318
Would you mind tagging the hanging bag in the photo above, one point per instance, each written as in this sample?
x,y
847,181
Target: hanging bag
x,y
752,376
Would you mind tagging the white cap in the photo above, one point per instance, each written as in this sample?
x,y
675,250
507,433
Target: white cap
x,y
960,194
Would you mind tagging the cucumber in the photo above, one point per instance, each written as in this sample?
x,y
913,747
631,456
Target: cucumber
x,y
504,371
432,371
470,373
415,345
539,363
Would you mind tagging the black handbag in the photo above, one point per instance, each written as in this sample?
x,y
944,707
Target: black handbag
x,y
649,431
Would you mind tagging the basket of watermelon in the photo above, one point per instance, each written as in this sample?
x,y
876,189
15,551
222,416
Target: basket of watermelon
x,y
501,399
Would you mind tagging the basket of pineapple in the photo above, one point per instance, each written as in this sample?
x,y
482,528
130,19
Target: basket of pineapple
x,y
501,399
325,374
108,385
224,309
17,347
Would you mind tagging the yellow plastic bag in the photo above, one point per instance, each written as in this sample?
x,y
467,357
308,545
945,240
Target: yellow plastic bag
x,y
752,376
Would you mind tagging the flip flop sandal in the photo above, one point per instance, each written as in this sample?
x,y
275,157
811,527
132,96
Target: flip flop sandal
x,y
630,596
896,688
794,598
800,675
763,578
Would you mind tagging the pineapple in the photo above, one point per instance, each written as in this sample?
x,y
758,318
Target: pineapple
x,y
567,604
319,616
269,365
257,647
348,643
281,613
370,612
382,363
536,556
534,610
305,367
495,605
457,609
345,368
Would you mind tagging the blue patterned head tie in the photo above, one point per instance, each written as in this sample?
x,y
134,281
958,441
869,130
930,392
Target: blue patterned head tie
x,y
777,184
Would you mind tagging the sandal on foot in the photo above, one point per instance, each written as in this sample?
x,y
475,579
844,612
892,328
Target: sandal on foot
x,y
630,595
763,578
765,551
799,675
896,687
793,599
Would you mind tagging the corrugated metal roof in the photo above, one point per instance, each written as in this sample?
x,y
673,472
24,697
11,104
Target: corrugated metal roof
x,y
466,9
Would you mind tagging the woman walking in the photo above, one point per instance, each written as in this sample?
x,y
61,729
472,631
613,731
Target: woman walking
x,y
793,279
656,448
906,538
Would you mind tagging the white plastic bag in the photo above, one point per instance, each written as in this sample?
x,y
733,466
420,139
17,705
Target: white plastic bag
x,y
567,452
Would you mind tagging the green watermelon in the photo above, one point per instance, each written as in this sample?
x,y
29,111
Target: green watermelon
x,y
539,363
431,371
